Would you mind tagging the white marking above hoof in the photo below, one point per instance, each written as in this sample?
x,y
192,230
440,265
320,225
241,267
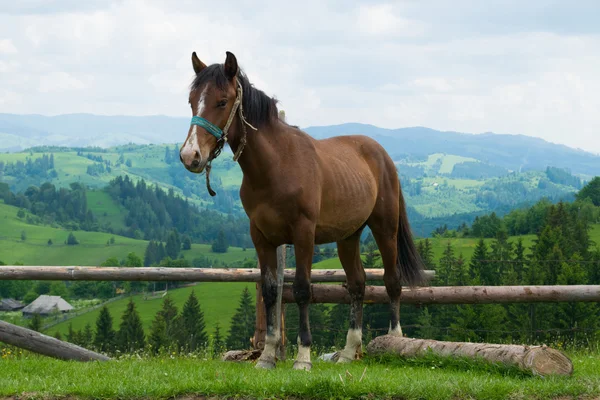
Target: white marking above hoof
x,y
302,365
397,331
343,360
265,364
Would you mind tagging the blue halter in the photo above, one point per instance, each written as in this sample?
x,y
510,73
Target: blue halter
x,y
209,126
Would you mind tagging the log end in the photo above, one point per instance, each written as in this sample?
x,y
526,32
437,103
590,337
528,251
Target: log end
x,y
545,361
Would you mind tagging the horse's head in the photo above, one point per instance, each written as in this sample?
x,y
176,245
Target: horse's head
x,y
212,98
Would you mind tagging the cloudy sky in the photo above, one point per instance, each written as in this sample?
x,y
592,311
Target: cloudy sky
x,y
519,67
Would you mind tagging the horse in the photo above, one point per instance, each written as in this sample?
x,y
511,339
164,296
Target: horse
x,y
301,191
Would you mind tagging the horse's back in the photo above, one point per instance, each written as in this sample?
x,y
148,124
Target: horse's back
x,y
354,171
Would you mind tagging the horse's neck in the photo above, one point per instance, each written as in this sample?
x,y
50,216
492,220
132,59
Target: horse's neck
x,y
260,154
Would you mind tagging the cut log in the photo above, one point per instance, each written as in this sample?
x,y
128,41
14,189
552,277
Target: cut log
x,y
540,360
456,294
46,345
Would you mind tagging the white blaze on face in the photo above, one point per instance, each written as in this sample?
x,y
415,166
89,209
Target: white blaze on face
x,y
191,146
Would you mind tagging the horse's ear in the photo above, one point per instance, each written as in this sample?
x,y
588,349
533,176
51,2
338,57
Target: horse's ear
x,y
231,66
197,64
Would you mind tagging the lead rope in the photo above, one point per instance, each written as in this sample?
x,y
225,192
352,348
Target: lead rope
x,y
239,107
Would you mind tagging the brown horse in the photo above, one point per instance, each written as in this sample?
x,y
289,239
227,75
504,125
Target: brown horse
x,y
301,191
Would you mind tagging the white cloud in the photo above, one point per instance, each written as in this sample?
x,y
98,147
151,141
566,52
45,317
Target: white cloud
x,y
392,65
7,46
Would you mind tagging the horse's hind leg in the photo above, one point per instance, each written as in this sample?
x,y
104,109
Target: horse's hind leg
x,y
349,254
267,257
385,235
304,244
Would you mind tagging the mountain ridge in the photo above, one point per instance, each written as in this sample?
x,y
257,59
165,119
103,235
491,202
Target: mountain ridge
x,y
511,151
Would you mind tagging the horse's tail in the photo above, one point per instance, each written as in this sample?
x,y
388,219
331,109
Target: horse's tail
x,y
409,261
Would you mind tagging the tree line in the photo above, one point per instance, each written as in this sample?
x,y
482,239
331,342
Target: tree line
x,y
152,213
171,330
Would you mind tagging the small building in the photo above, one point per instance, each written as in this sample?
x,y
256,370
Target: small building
x,y
10,305
46,305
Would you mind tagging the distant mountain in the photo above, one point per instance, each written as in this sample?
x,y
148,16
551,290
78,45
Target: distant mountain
x,y
513,152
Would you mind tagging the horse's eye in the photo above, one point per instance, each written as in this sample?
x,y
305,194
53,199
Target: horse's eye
x,y
222,104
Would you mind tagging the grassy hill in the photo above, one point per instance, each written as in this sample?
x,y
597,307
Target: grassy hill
x,y
217,300
430,187
92,250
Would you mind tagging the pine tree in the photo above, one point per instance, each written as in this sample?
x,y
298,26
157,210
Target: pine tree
x,y
36,323
87,336
371,255
192,328
501,255
576,315
425,249
151,254
218,341
186,243
168,313
158,334
460,272
105,335
173,245
74,336
131,332
220,245
446,265
242,323
478,263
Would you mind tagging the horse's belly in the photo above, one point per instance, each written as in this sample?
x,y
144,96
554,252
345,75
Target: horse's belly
x,y
341,219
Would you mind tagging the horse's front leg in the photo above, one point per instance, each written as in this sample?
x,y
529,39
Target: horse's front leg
x,y
267,258
304,243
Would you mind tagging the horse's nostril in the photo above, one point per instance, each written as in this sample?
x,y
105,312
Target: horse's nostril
x,y
196,154
195,163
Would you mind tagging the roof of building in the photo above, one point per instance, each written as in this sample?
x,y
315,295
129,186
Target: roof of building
x,y
10,305
47,304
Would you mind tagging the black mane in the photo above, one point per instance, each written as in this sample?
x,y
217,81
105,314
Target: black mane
x,y
259,109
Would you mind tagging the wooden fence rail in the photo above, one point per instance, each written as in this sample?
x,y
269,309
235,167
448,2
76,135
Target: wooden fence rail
x,y
458,294
151,274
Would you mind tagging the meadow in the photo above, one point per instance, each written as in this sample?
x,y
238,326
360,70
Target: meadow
x,y
370,378
92,250
218,301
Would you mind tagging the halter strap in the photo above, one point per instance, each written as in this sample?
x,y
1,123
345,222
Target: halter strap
x,y
209,126
221,134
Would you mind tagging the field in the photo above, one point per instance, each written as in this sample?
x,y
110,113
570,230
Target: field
x,y
92,250
464,246
218,302
188,378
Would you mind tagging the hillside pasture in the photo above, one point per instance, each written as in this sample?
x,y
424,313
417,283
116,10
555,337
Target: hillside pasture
x,y
92,250
218,301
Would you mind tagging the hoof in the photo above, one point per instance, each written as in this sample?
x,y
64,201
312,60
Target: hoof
x,y
303,365
344,360
263,364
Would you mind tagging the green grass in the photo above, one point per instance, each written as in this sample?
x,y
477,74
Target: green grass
x,y
449,161
464,246
91,251
105,209
37,377
218,301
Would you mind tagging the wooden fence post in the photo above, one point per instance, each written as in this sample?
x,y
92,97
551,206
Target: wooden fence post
x,y
280,310
260,330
